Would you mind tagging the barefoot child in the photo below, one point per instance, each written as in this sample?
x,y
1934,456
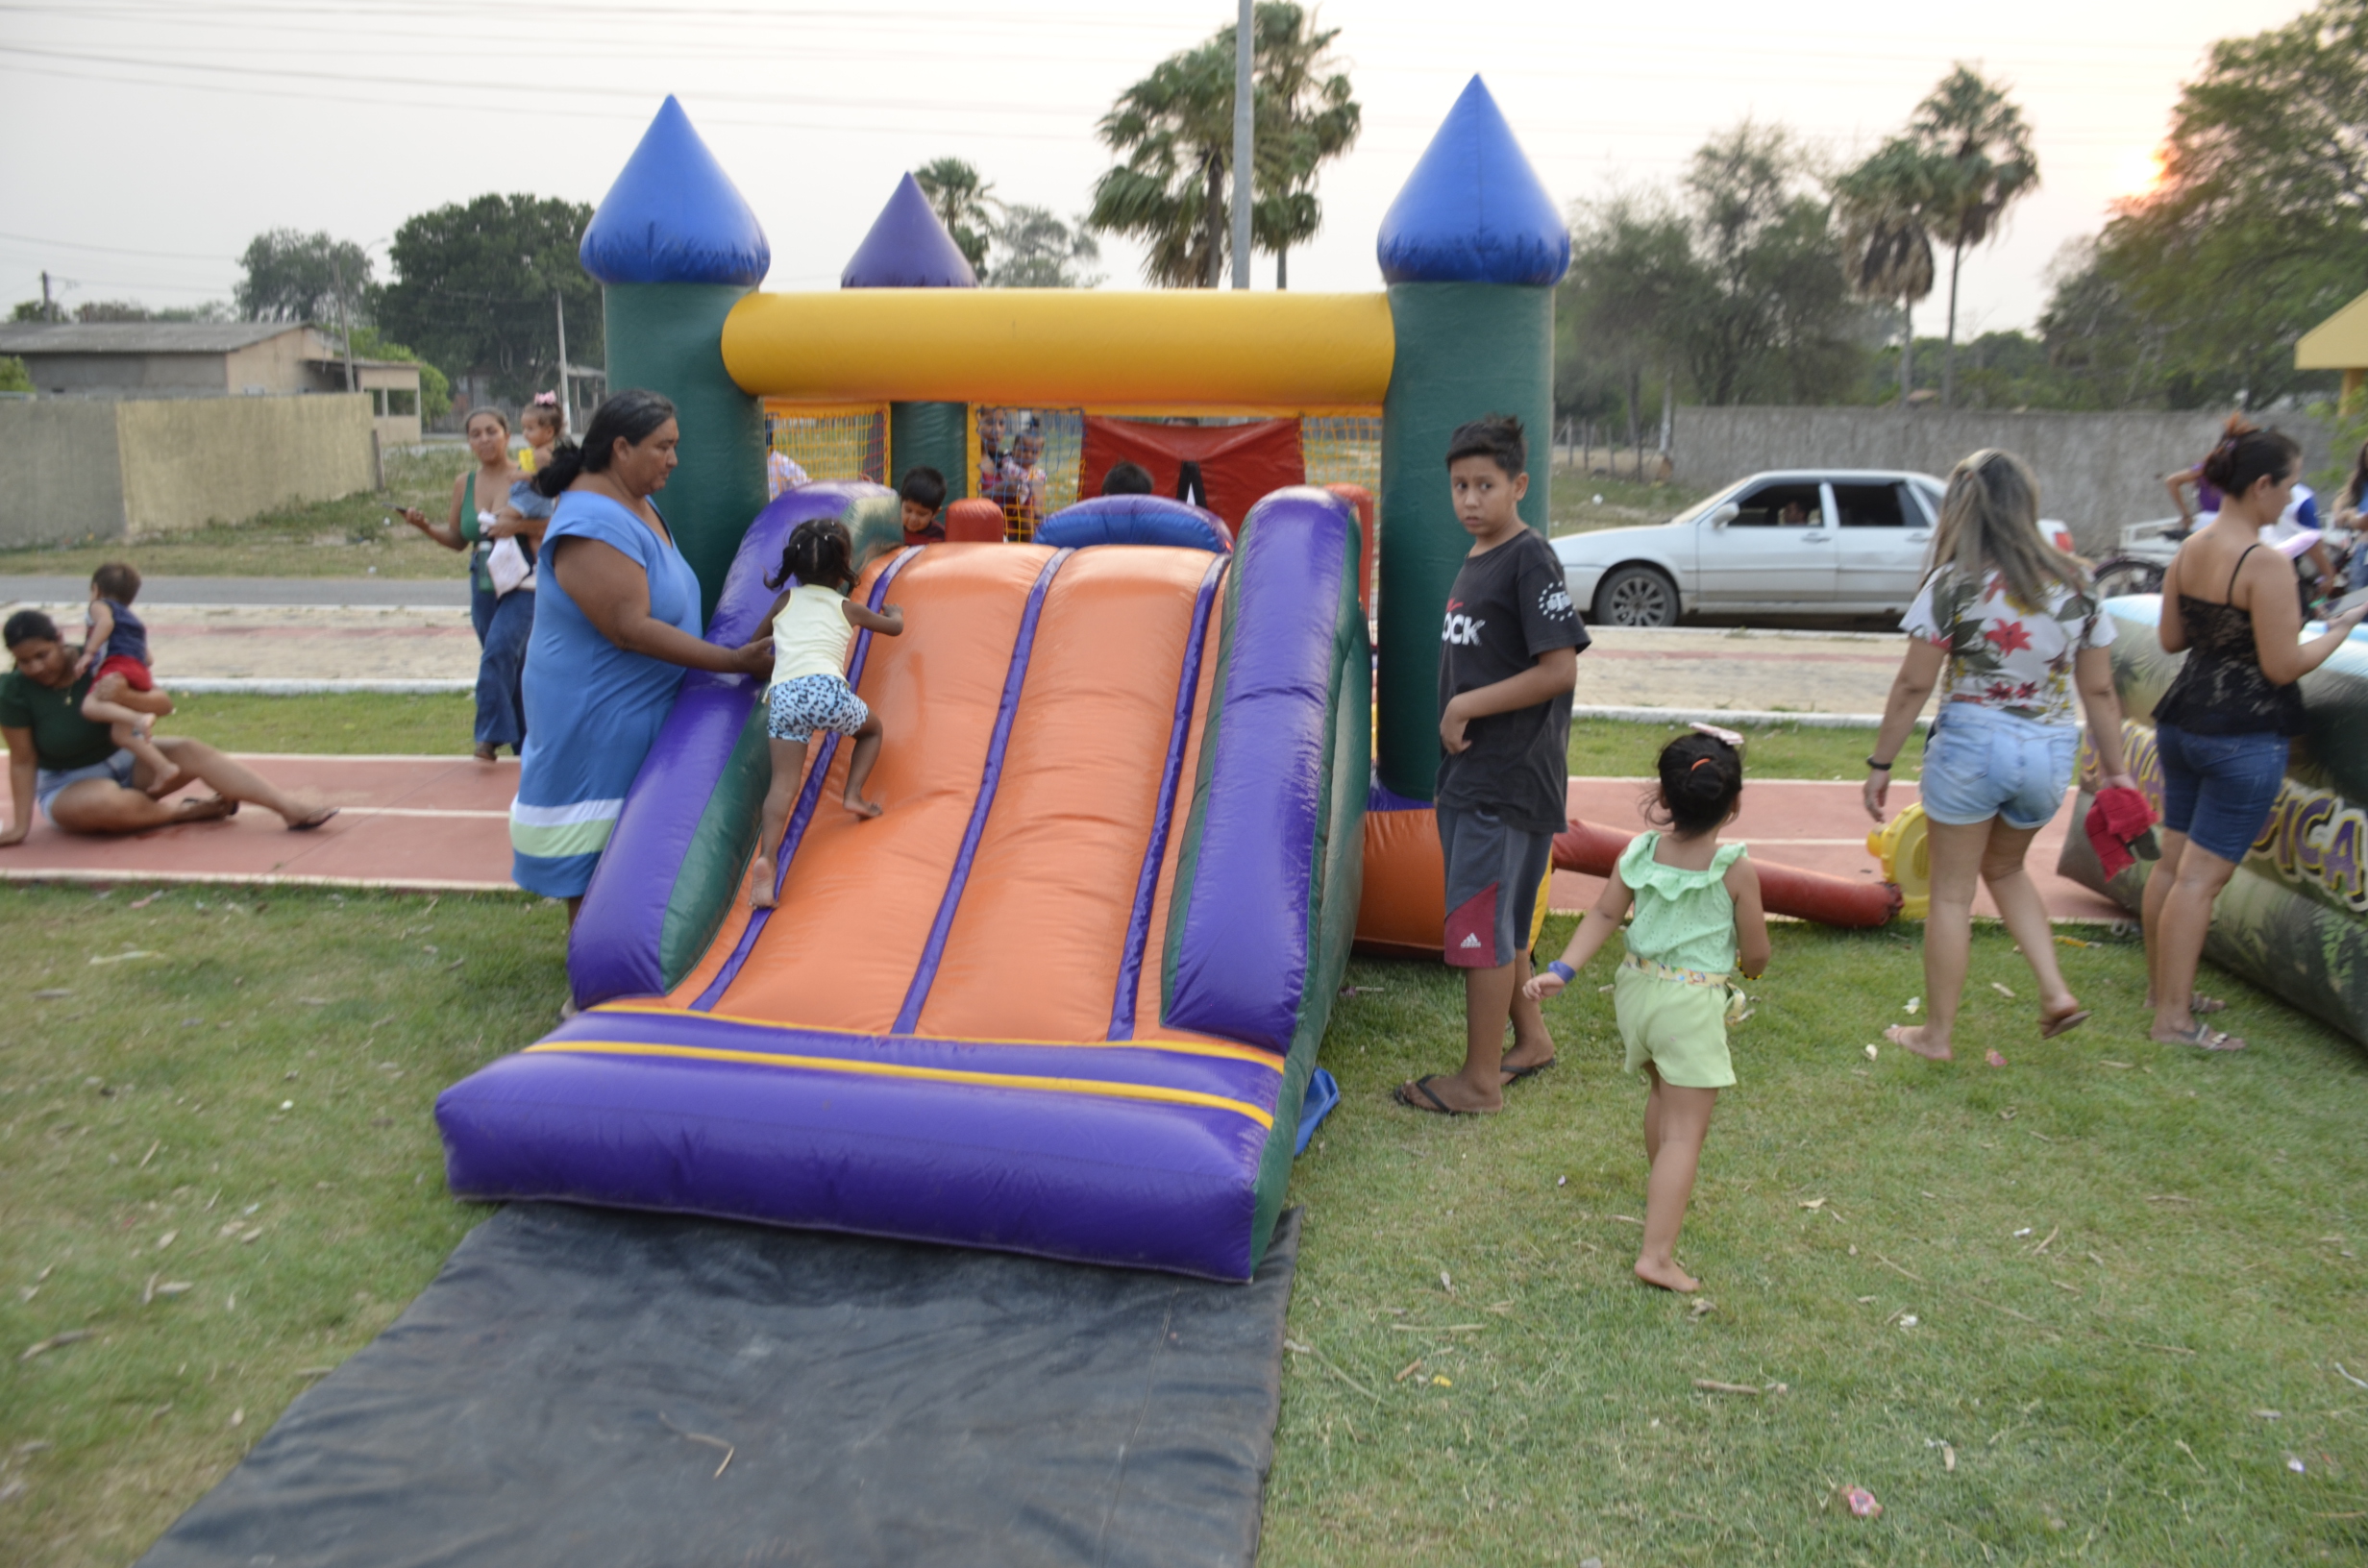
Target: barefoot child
x,y
1508,658
116,642
813,621
1696,903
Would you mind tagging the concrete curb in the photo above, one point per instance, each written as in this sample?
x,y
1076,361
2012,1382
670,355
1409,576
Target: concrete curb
x,y
265,686
1731,717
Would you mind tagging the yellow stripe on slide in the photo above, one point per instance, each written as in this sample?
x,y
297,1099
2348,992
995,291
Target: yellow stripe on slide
x,y
892,1070
1180,1047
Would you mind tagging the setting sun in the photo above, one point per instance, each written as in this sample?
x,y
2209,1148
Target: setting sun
x,y
2138,173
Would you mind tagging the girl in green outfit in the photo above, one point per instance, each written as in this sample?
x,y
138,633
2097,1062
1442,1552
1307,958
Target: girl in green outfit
x,y
1697,911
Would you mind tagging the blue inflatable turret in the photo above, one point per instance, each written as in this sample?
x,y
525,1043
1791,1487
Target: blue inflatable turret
x,y
909,248
675,246
1471,248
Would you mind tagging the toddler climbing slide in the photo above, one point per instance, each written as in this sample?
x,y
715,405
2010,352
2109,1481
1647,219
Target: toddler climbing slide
x,y
1063,997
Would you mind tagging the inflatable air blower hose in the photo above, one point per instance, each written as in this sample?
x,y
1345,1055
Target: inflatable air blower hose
x,y
1785,890
1906,863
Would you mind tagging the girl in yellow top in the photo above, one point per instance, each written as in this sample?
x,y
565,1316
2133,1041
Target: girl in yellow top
x,y
1697,911
813,621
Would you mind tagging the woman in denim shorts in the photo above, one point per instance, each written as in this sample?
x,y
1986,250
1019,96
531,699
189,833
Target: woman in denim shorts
x,y
2011,630
2222,728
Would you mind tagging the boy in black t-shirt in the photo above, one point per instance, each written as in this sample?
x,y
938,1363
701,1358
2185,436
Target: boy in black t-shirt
x,y
1507,661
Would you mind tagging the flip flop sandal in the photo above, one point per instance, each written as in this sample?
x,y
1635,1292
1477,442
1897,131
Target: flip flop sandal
x,y
2050,1028
1514,1075
311,822
1405,1096
2201,1005
2205,1038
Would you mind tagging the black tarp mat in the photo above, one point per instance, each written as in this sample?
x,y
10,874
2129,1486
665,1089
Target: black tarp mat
x,y
879,1402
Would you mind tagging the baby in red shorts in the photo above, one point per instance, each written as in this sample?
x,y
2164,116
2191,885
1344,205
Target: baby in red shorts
x,y
116,642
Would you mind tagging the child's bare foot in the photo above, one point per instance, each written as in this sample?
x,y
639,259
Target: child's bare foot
x,y
866,809
1915,1037
762,876
207,809
1667,1275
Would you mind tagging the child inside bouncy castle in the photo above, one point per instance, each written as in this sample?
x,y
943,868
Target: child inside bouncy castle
x,y
922,496
813,621
1508,660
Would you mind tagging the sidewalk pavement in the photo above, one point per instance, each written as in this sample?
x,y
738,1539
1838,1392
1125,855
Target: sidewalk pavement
x,y
442,822
314,591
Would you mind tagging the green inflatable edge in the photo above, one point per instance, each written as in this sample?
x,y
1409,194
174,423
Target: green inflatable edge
x,y
1464,350
931,435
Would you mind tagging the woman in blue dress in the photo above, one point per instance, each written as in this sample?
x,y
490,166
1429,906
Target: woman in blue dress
x,y
618,624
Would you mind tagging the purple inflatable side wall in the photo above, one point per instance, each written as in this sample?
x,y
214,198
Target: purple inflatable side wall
x,y
614,949
1242,963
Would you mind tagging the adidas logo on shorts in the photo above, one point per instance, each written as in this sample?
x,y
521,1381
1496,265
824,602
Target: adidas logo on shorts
x,y
1469,941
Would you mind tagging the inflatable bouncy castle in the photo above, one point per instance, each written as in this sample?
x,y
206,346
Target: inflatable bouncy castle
x,y
2294,918
1065,997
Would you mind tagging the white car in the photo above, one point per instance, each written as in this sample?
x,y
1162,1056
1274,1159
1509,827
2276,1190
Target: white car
x,y
1843,542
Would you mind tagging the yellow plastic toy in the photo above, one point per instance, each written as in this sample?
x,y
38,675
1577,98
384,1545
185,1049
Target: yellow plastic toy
x,y
1907,864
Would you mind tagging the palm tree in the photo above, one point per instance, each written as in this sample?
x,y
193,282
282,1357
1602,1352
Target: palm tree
x,y
1986,164
964,202
1173,132
1881,210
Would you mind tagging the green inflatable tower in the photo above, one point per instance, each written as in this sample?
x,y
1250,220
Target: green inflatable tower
x,y
908,247
675,247
1471,250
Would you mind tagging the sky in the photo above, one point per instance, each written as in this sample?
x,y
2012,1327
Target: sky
x,y
149,140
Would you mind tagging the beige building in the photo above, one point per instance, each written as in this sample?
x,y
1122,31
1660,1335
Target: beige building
x,y
2340,342
117,361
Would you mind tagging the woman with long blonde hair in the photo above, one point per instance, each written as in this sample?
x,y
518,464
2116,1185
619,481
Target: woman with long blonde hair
x,y
2012,631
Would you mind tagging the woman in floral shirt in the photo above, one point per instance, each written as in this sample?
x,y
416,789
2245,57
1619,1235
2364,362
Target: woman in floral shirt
x,y
2011,630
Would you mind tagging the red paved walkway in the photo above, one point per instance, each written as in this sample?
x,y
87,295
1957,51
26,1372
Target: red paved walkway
x,y
1815,825
443,823
429,822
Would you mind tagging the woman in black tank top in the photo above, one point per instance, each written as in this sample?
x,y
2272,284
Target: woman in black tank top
x,y
2222,729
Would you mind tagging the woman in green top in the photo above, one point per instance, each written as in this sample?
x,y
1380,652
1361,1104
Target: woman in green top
x,y
503,619
67,765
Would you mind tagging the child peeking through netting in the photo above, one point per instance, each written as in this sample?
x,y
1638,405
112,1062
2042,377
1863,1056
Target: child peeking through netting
x,y
813,621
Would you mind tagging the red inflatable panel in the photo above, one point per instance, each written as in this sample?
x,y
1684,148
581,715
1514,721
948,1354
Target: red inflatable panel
x,y
973,521
1809,896
1239,464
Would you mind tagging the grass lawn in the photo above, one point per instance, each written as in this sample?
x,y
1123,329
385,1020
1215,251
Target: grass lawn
x,y
2120,1258
1582,501
384,723
1608,749
344,538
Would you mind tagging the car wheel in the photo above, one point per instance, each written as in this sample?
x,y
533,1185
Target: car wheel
x,y
1635,596
2125,574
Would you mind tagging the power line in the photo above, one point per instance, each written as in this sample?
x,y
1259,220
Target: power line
x,y
116,250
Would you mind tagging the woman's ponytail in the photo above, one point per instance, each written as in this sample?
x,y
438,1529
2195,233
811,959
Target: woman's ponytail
x,y
2248,454
558,471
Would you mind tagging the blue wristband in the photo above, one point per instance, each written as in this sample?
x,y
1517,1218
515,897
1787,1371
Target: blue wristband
x,y
1562,972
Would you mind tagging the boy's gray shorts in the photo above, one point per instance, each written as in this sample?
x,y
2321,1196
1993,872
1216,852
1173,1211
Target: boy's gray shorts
x,y
1493,877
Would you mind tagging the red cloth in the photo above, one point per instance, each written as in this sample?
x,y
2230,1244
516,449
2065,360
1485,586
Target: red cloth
x,y
133,672
1239,464
2118,818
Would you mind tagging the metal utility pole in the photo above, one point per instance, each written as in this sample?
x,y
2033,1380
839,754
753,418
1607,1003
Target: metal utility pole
x,y
567,406
345,315
1243,47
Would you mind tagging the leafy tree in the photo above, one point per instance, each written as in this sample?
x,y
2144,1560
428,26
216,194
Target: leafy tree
x,y
209,310
13,376
1771,317
28,310
1983,147
293,277
1633,276
1034,249
1882,210
475,284
2195,293
435,391
964,202
112,311
1174,133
